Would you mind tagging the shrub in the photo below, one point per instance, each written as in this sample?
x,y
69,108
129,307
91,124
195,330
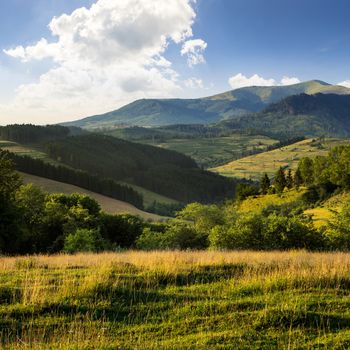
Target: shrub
x,y
84,240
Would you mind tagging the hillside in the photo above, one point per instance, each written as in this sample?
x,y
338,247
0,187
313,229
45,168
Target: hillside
x,y
165,172
108,205
155,112
313,115
254,166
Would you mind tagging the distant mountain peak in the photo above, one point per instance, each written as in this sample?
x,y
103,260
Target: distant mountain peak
x,y
230,104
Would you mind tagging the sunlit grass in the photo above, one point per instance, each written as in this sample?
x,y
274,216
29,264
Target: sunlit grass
x,y
176,300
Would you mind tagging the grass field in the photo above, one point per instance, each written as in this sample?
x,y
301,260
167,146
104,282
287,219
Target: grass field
x,y
176,300
109,205
253,167
209,152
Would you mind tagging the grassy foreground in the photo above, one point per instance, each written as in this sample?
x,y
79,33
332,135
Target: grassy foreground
x,y
176,300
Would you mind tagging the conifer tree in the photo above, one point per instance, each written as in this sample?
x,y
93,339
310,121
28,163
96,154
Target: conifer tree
x,y
280,180
289,179
298,180
265,184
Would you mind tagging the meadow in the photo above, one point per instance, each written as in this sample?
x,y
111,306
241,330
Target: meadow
x,y
214,151
176,300
252,167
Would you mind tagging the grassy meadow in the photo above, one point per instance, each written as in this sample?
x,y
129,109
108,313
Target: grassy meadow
x,y
209,152
254,166
176,300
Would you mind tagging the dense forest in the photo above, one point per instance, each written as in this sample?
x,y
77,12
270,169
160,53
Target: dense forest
x,y
169,173
27,133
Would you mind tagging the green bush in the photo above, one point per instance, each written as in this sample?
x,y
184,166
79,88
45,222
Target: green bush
x,y
84,240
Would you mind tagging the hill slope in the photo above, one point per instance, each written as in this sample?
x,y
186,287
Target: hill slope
x,y
313,115
253,167
155,112
109,205
165,172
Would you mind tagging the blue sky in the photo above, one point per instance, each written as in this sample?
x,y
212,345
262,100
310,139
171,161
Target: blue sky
x,y
86,68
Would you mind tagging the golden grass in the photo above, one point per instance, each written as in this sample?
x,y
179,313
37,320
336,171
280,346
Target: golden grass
x,y
253,167
176,300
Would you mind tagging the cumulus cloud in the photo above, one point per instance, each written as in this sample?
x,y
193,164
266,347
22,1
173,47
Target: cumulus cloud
x,y
194,50
345,83
194,83
289,80
105,56
240,80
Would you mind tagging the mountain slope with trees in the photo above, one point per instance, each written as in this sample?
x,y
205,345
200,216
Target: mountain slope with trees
x,y
157,112
311,115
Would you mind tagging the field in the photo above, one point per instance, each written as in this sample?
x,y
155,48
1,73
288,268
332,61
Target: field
x,y
176,300
253,167
109,205
210,152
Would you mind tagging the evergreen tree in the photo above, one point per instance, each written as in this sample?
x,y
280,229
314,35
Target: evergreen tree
x,y
280,180
265,184
298,180
289,179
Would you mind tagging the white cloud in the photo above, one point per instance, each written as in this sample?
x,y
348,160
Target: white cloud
x,y
194,83
194,50
104,57
345,83
240,80
289,81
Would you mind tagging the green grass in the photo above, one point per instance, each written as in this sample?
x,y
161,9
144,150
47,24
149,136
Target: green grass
x,y
172,300
209,152
253,167
257,203
22,150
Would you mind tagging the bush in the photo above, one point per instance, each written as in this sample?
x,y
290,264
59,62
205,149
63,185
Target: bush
x,y
84,240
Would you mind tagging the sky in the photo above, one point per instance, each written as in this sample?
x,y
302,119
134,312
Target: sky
x,y
62,60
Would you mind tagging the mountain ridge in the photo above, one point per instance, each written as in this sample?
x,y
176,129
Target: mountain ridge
x,y
230,104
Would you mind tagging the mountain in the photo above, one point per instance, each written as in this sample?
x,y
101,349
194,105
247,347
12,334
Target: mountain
x,y
311,115
159,112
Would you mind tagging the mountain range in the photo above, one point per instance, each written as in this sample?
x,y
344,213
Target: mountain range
x,y
232,104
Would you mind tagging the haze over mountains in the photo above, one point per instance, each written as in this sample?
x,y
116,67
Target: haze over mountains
x,y
213,109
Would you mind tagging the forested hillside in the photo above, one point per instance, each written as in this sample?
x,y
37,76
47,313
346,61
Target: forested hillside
x,y
165,172
313,115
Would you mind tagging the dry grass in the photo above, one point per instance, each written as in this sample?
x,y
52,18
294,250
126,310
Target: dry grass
x,y
176,300
253,167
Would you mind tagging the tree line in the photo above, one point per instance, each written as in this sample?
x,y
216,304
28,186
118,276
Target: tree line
x,y
104,186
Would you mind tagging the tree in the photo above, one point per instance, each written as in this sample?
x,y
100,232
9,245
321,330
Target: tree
x,y
84,240
297,180
265,184
9,180
338,230
289,179
306,170
10,218
244,190
280,181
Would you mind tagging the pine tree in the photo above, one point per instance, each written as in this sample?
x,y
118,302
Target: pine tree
x,y
298,180
289,179
265,184
280,180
